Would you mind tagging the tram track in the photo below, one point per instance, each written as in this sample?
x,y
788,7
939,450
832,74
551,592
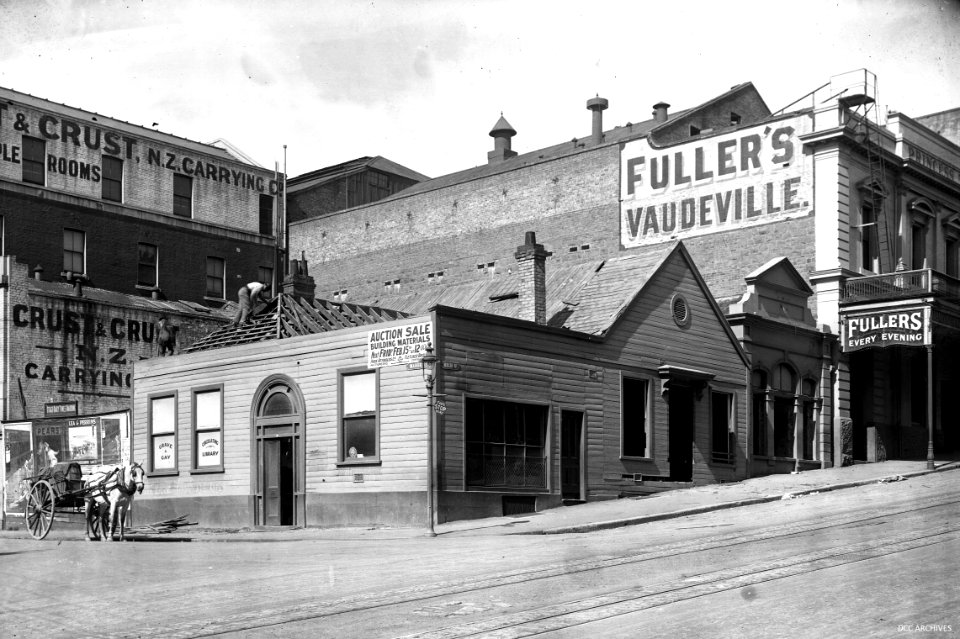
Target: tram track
x,y
307,611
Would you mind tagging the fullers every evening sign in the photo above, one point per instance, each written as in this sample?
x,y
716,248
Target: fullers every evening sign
x,y
398,345
901,327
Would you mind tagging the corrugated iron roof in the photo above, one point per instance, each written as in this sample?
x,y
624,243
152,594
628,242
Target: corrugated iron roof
x,y
126,300
587,297
286,316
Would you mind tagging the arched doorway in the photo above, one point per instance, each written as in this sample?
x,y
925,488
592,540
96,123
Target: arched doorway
x,y
278,459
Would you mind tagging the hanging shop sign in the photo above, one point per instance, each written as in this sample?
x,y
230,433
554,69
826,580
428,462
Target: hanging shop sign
x,y
745,178
895,327
398,344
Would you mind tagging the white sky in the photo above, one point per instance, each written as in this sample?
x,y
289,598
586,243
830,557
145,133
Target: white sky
x,y
422,82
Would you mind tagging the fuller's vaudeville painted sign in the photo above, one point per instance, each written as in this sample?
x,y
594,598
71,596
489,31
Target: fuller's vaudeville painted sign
x,y
894,327
751,176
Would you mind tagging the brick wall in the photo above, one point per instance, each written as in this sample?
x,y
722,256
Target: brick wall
x,y
33,231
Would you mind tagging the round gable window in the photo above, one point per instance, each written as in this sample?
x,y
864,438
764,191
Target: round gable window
x,y
681,311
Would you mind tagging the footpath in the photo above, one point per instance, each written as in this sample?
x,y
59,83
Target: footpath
x,y
579,518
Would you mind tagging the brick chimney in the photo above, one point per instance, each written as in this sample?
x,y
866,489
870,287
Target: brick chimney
x,y
597,105
660,111
501,134
531,266
298,283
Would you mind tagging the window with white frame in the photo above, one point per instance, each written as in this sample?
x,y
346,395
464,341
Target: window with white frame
x,y
359,420
162,427
634,420
208,428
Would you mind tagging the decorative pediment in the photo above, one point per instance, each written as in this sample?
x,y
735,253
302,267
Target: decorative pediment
x,y
777,291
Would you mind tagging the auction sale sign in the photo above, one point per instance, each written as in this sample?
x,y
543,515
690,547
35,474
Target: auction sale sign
x,y
398,344
747,177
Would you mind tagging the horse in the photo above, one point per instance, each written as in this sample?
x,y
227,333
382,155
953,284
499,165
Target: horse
x,y
166,337
110,499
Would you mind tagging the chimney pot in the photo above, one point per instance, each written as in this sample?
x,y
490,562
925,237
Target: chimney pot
x,y
660,111
598,105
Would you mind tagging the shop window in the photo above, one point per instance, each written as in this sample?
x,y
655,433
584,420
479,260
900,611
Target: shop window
x,y
215,274
760,420
869,240
146,265
266,214
112,181
722,428
634,422
74,251
182,195
208,429
505,444
162,426
359,417
34,156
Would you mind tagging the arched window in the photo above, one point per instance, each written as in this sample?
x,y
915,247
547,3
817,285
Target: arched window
x,y
784,379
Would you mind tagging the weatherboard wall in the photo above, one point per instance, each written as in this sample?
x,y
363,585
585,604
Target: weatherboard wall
x,y
390,491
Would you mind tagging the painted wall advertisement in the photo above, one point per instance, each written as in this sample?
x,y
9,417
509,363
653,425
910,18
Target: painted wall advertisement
x,y
899,327
398,344
752,176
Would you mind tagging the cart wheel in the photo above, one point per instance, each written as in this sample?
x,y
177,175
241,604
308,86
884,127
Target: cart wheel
x,y
38,511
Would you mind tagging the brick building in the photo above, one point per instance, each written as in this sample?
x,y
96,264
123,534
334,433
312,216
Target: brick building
x,y
111,233
785,213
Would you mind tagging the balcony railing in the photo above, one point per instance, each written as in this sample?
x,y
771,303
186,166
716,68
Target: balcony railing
x,y
901,285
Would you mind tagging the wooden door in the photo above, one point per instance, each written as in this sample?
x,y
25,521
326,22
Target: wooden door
x,y
681,433
571,442
278,481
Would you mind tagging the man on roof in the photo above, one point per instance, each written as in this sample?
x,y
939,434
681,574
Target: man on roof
x,y
249,296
